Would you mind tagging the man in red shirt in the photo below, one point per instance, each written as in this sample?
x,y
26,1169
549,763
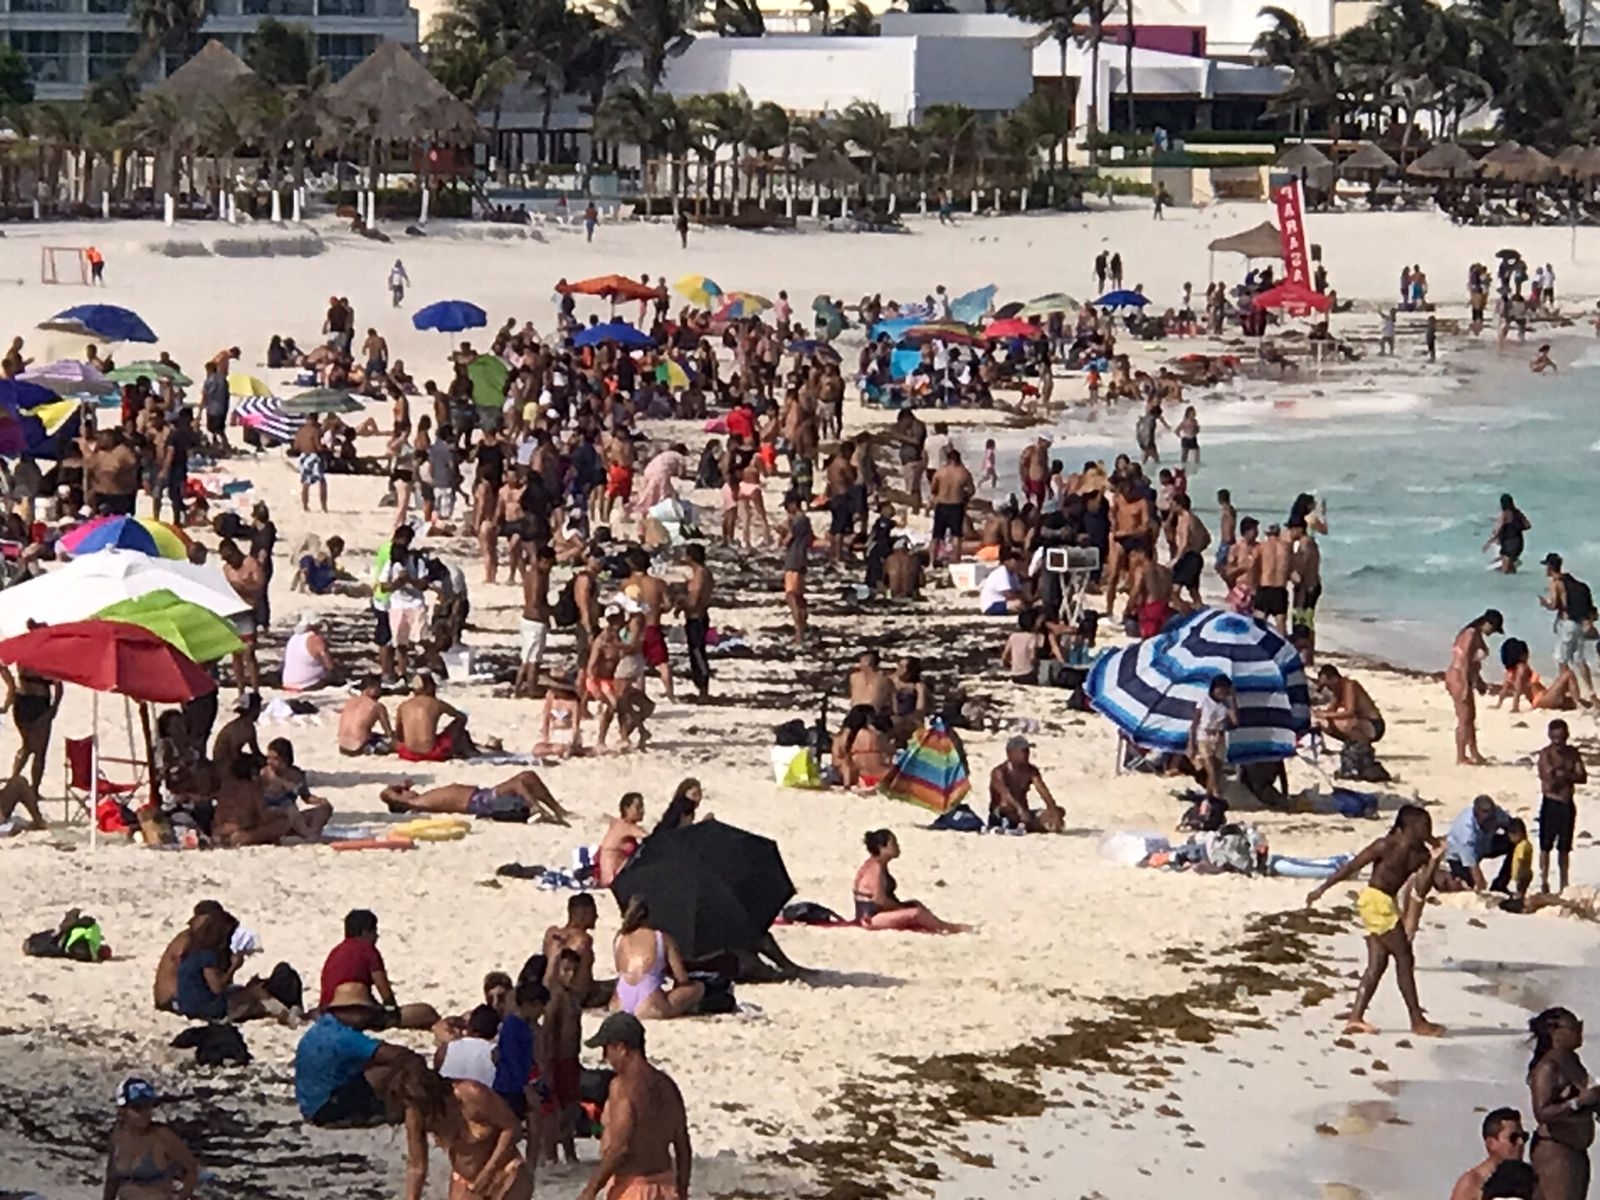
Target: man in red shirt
x,y
357,960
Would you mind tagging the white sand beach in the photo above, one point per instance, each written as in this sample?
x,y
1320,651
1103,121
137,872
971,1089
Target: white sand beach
x,y
1102,1033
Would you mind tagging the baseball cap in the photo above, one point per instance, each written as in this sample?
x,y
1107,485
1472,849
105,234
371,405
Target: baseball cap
x,y
134,1092
1551,560
1018,743
619,1028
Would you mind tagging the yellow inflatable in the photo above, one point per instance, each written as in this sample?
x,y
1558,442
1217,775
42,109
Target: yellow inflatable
x,y
432,829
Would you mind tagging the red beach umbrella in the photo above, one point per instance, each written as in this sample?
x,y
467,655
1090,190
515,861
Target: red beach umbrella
x,y
109,656
1295,298
1012,328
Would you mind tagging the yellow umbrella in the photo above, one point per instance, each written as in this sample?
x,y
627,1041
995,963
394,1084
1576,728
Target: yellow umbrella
x,y
700,291
247,385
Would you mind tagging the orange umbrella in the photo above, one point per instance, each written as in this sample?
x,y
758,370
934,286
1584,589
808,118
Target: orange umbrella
x,y
610,287
1012,328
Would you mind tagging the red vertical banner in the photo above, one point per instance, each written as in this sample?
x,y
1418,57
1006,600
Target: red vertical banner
x,y
1292,228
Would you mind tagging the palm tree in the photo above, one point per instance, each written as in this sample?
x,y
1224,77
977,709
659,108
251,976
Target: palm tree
x,y
769,131
281,54
655,30
1053,120
950,128
869,127
721,120
736,19
653,121
1059,18
857,22
158,128
165,25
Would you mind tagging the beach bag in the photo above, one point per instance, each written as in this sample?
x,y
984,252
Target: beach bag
x,y
795,767
791,733
718,1000
1348,803
809,912
77,937
564,613
1358,760
960,819
1580,600
214,1045
284,986
1205,815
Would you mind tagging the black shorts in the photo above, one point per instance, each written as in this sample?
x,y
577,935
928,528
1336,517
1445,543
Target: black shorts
x,y
118,504
382,634
1557,819
217,423
949,518
841,514
1305,598
1189,443
354,1106
1272,601
1186,571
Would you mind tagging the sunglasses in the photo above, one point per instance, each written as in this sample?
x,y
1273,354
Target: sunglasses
x,y
1519,1137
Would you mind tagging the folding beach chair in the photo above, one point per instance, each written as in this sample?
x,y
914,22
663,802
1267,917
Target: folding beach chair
x,y
80,773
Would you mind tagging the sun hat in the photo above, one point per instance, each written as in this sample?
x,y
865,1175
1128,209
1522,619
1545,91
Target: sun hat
x,y
134,1092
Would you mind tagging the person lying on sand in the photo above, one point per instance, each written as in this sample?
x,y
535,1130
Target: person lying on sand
x,y
517,799
1406,855
877,907
1009,785
418,737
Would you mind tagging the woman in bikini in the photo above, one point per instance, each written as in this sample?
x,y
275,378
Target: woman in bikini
x,y
1522,682
1463,679
646,959
147,1161
1564,1106
863,748
33,701
473,1126
876,904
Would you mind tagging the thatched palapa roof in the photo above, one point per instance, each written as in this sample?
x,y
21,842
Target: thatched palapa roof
x,y
1264,241
394,98
1580,162
1303,156
1518,163
1443,160
1369,157
213,76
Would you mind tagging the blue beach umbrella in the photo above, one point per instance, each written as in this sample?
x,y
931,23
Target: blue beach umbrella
x,y
811,347
1122,298
108,322
1150,690
619,332
450,316
970,308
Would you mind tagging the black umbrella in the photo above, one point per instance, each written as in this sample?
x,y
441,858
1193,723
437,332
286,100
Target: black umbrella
x,y
711,886
1508,253
1008,310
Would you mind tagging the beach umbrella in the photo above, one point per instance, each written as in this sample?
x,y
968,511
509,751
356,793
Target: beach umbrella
x,y
948,332
1043,306
738,306
711,885
450,316
617,332
1012,328
25,394
265,415
109,656
107,322
1122,298
970,307
1293,297
1302,156
1006,311
1516,163
193,631
149,369
13,437
671,373
1369,156
1150,690
70,377
812,348
48,424
142,535
247,385
832,316
321,400
609,287
84,586
928,771
698,290
1443,161
488,373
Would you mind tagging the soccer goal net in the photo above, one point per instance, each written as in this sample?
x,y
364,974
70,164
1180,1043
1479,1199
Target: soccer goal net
x,y
64,264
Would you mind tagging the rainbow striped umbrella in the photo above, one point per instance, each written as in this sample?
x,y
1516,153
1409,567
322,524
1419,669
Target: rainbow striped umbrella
x,y
155,538
929,771
739,305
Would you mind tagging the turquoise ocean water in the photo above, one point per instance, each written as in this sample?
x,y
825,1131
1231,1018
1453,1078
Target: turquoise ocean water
x,y
1412,472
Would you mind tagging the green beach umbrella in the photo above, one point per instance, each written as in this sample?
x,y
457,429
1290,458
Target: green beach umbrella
x,y
489,374
1043,306
321,400
191,630
150,370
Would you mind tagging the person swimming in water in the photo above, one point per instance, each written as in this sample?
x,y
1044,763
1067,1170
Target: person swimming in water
x,y
1507,534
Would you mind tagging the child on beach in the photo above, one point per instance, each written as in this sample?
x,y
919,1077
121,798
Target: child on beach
x,y
1094,385
988,475
1405,856
560,1036
1217,712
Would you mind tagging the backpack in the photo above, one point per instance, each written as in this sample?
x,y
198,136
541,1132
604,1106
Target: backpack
x,y
564,613
1580,600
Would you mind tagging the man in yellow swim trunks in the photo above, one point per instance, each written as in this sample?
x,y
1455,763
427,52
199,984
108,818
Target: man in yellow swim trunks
x,y
1406,854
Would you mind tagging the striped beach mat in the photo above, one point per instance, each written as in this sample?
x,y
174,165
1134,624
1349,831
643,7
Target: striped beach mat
x,y
1150,690
265,415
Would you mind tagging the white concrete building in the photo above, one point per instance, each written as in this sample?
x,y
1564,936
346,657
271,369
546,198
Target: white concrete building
x,y
69,44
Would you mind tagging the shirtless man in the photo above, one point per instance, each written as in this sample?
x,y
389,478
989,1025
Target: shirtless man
x,y
600,672
1463,679
577,935
361,719
645,1152
517,799
1241,564
952,490
1504,1140
110,474
696,609
870,685
166,984
560,1035
534,628
1132,538
509,523
586,596
1352,715
1009,784
247,578
1227,532
1307,562
478,1133
651,594
839,484
416,723
242,817
1033,468
1274,563
1190,538
1405,855
912,436
618,452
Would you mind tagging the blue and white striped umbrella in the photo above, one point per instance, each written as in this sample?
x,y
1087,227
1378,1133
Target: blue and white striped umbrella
x,y
1150,690
265,414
